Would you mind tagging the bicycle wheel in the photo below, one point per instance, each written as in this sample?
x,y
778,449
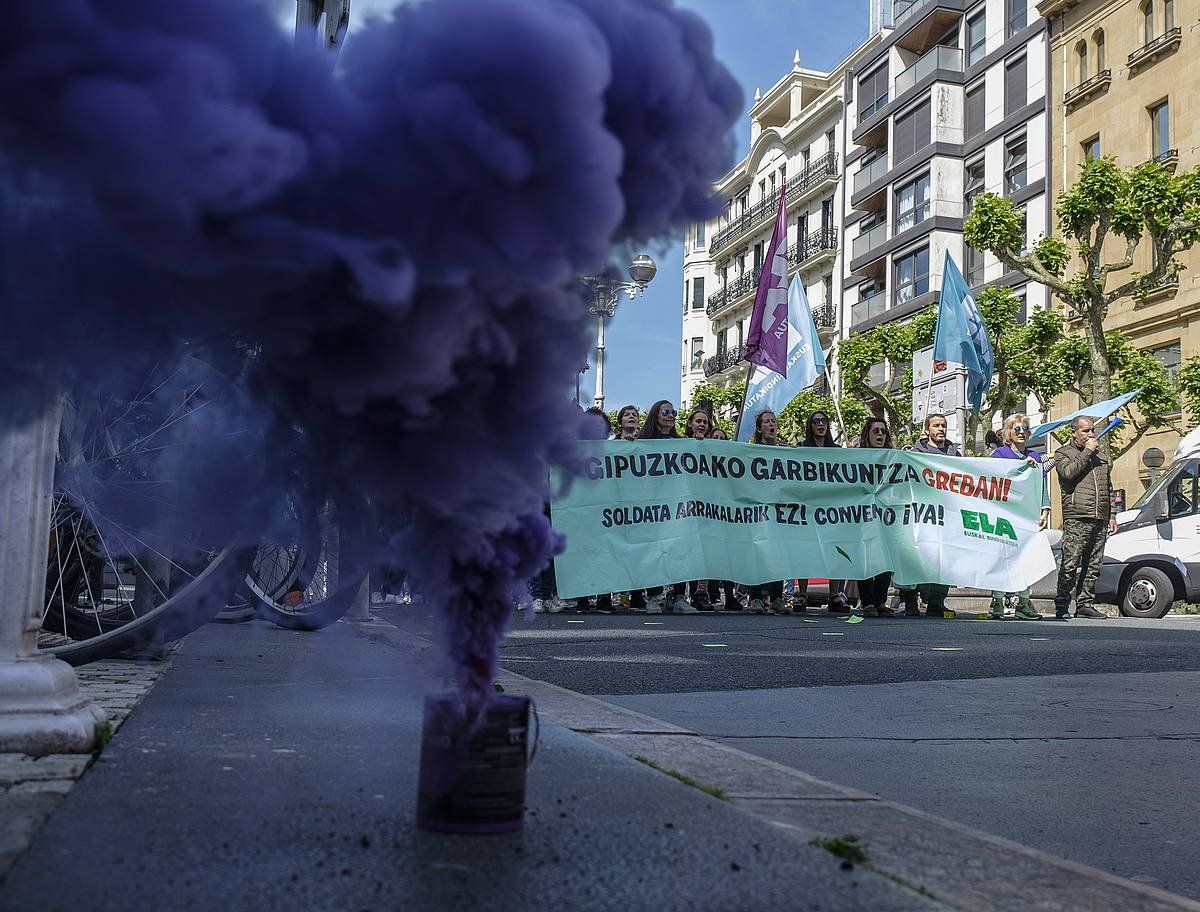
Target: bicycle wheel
x,y
310,575
133,563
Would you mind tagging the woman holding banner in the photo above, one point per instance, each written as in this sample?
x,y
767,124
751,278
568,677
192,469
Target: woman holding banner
x,y
659,424
697,428
1015,435
818,432
766,432
874,592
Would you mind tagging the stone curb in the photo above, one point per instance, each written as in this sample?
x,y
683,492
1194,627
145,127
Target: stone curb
x,y
963,868
31,788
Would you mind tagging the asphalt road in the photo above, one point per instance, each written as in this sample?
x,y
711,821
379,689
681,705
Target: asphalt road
x,y
635,654
1079,738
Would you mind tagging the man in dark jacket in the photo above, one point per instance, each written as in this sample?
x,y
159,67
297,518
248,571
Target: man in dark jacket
x,y
1087,519
934,440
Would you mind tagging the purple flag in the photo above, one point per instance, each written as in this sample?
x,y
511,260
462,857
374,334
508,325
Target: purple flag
x,y
767,343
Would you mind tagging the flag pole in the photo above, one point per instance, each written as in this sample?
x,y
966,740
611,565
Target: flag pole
x,y
837,407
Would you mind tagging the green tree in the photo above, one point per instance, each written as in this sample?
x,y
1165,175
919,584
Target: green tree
x,y
1026,362
1144,205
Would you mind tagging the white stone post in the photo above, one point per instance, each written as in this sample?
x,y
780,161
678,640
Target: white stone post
x,y
41,708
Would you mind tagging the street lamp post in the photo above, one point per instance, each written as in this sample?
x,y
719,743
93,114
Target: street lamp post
x,y
605,294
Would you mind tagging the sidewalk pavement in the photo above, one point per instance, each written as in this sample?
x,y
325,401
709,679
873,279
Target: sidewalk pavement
x,y
275,769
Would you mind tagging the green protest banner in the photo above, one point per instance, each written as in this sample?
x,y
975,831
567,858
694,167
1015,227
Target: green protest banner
x,y
663,511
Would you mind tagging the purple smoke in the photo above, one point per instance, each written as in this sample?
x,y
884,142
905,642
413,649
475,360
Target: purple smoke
x,y
396,241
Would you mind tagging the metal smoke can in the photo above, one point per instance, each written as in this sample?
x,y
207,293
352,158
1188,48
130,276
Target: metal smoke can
x,y
473,765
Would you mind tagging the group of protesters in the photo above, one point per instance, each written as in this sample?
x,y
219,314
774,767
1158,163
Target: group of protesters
x,y
1082,471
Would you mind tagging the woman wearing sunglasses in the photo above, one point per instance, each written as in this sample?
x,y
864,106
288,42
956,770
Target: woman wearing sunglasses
x,y
818,432
659,424
1016,439
767,597
873,592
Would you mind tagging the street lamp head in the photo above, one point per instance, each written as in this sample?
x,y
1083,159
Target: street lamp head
x,y
642,270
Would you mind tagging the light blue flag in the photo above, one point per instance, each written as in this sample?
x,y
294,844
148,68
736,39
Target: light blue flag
x,y
961,334
1097,411
770,390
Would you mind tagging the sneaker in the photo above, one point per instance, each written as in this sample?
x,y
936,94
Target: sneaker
x,y
757,606
655,605
1026,612
1087,611
779,606
885,611
669,599
912,611
683,606
554,605
997,610
800,603
870,611
1060,615
700,601
940,613
539,605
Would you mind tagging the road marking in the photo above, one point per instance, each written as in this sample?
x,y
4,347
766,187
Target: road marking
x,y
829,633
574,622
652,623
1039,639
715,645
946,648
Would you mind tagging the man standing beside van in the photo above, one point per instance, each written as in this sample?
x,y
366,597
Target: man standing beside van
x,y
1087,519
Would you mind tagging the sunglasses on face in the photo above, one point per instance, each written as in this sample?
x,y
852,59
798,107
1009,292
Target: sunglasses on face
x,y
1023,428
667,413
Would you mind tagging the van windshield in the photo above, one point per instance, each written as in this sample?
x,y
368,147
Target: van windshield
x,y
1165,477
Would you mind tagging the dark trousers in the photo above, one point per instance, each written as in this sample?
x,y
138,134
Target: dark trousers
x,y
874,591
1082,551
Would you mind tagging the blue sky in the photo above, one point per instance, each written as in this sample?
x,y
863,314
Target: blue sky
x,y
755,39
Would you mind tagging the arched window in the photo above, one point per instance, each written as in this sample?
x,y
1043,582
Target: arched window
x,y
1148,22
1098,41
1082,55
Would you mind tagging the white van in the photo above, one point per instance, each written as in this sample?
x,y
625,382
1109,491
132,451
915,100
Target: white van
x,y
1153,559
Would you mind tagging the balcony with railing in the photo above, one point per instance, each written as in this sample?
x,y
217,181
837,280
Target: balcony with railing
x,y
1093,85
868,241
940,58
1151,51
869,174
722,361
868,307
906,9
819,173
731,293
814,248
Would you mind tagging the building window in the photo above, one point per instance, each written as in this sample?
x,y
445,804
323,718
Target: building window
x,y
1098,41
827,286
699,235
1025,229
975,111
759,250
973,182
826,214
697,351
1168,356
722,342
698,293
801,230
1148,22
1081,53
1015,164
911,275
687,289
912,203
973,265
829,142
872,92
1016,85
1168,15
911,133
976,37
1091,148
1160,128
805,160
1018,15
1023,305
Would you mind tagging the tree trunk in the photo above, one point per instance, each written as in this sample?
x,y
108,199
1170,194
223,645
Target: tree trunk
x,y
1093,334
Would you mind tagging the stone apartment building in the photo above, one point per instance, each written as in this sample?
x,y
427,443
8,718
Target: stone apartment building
x,y
795,136
1125,84
951,102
